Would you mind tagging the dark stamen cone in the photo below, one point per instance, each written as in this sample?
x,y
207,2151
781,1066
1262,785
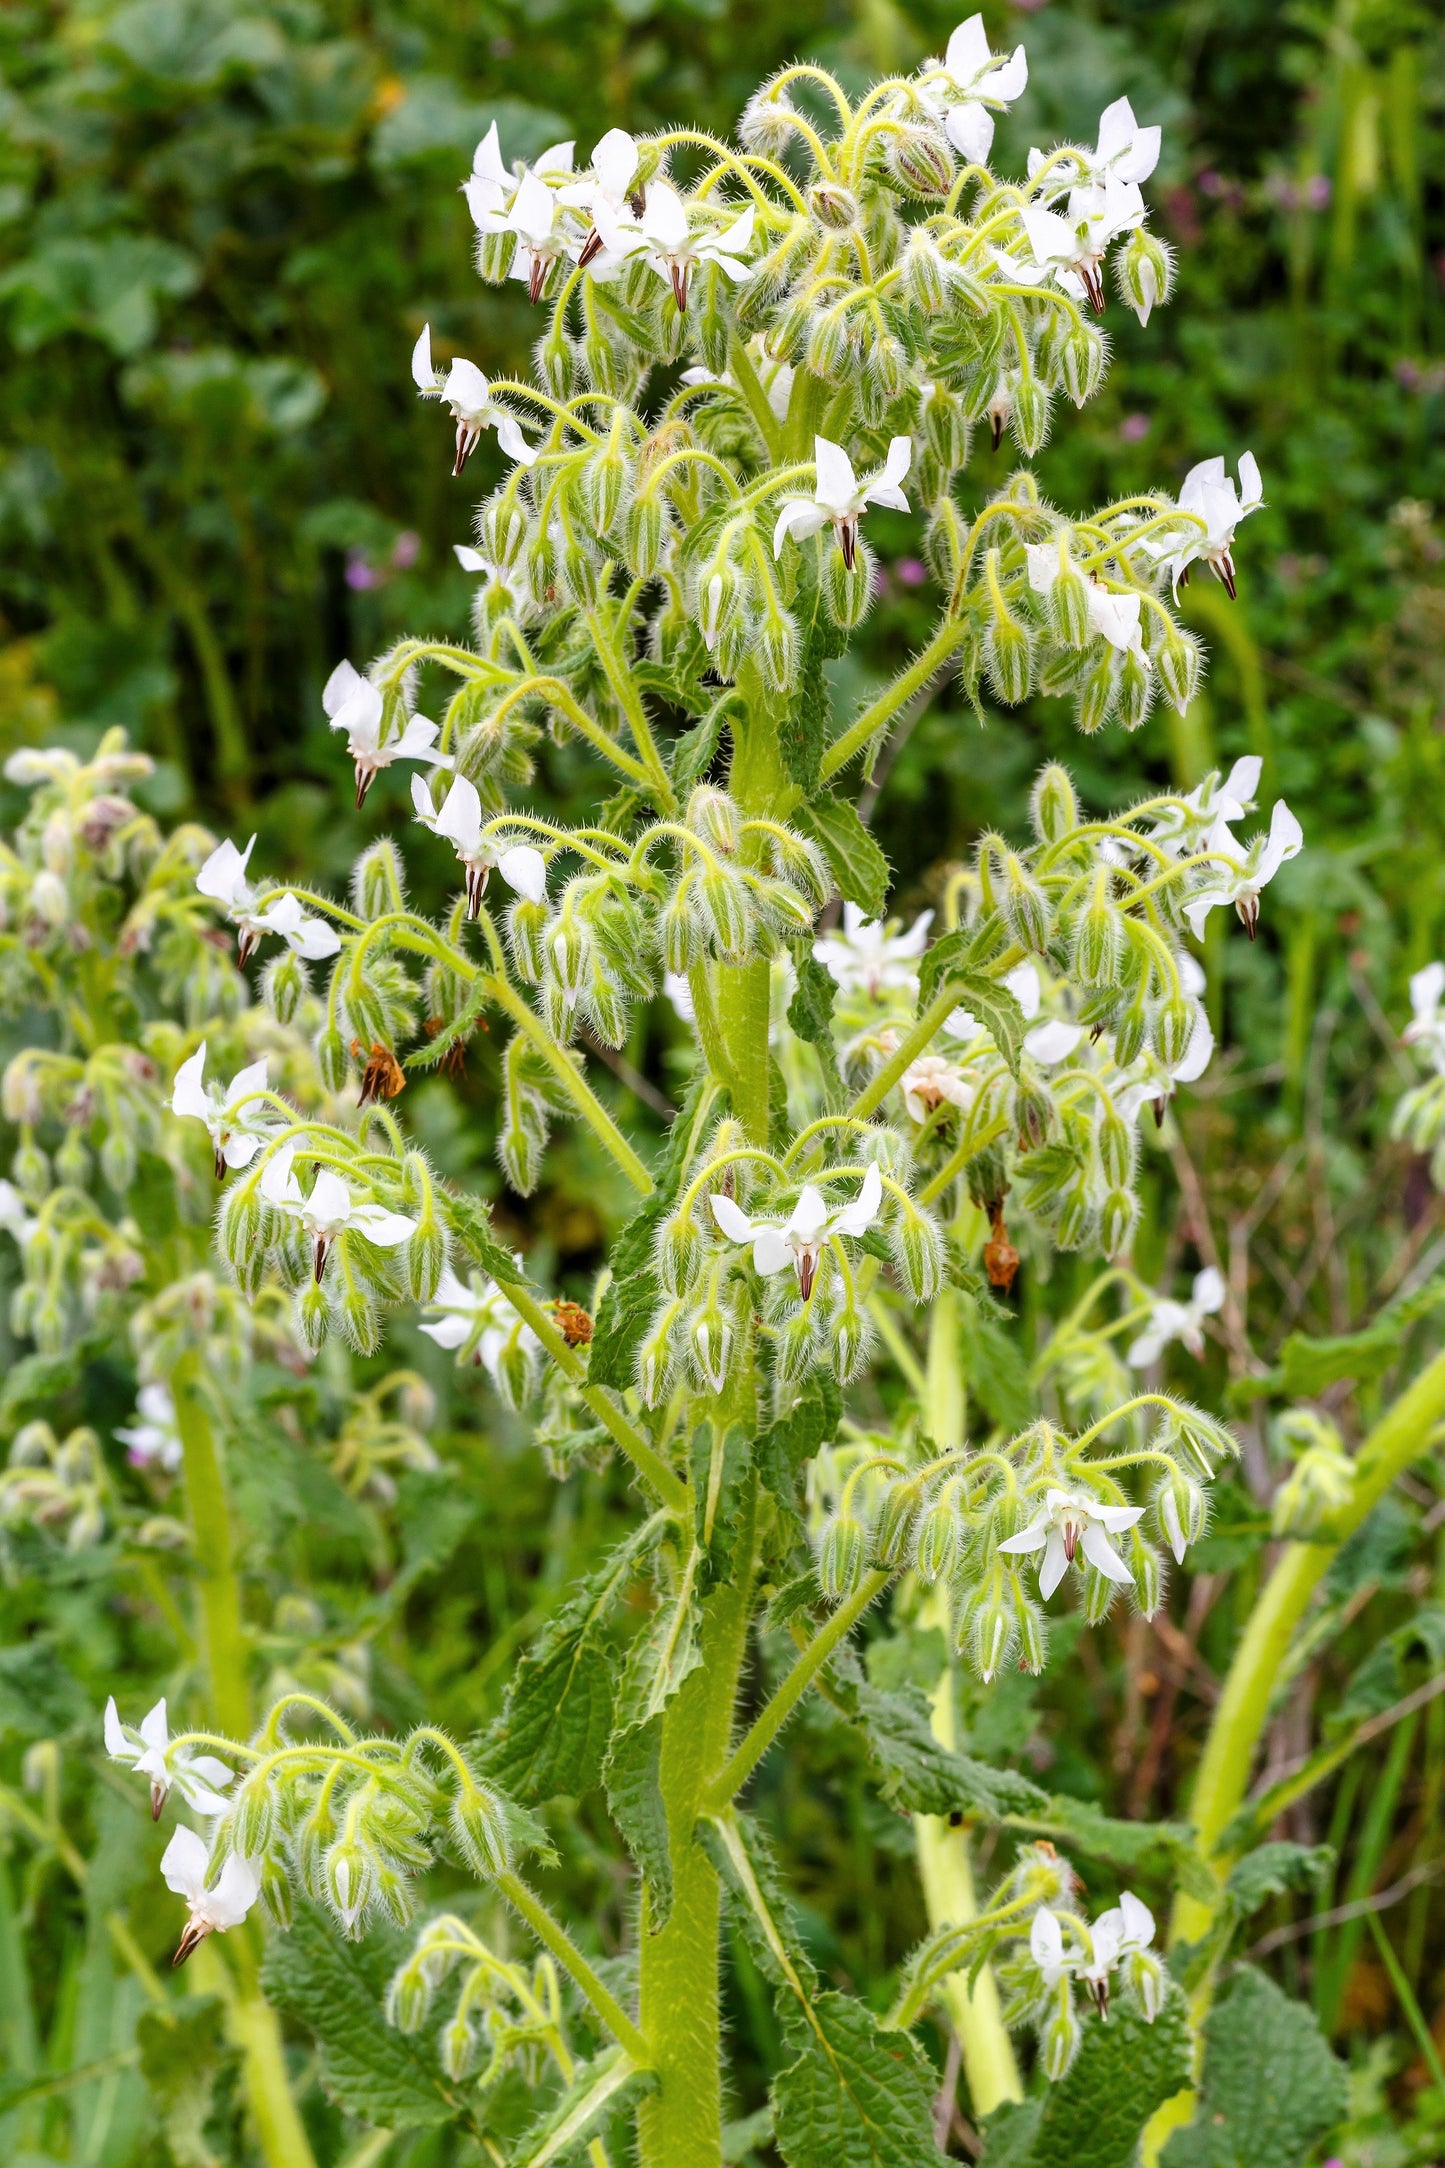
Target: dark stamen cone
x,y
195,1934
365,777
995,422
591,247
807,1267
538,278
679,286
848,542
319,1256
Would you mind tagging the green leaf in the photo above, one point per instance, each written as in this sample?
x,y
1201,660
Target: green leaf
x,y
695,750
719,1469
806,726
554,1724
920,1776
631,1774
991,1002
960,954
633,1289
1384,1676
471,1223
859,866
1271,2087
1124,2070
183,2052
810,1012
600,2090
795,1437
757,1900
856,2094
1271,1869
367,2068
660,1658
994,1369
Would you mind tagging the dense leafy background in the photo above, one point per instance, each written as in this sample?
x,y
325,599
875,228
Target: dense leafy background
x,y
221,227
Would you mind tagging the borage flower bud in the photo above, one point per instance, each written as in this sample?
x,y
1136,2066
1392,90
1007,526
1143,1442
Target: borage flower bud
x,y
847,1343
917,1248
921,162
1083,358
1175,1023
893,1530
313,1317
458,2047
723,905
1144,272
1118,1146
1148,1571
943,426
604,478
1117,1221
556,358
712,815
656,1361
284,984
1025,906
409,1997
1008,658
1099,936
680,1253
1053,805
683,936
1071,1229
925,274
251,1819
1059,2038
938,1541
833,205
348,1878
848,590
842,1556
479,1829
1134,693
795,1349
710,1341
644,535
1181,1509
1030,417
1180,664
1146,1977
991,1629
359,1319
1033,1635
526,930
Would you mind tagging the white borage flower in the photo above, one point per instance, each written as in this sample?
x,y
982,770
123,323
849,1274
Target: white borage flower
x,y
870,956
16,1221
1069,1522
475,1320
798,1241
933,1081
185,1865
155,1441
839,499
492,185
1426,1028
664,241
1182,1321
199,1778
1125,1931
1072,247
1114,616
1215,500
237,1118
223,879
1125,152
460,822
1049,1951
1211,806
465,392
538,217
330,1210
967,82
1242,885
353,704
611,182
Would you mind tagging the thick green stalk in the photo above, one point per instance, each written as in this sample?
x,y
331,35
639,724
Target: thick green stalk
x,y
680,2124
1401,1435
254,2026
944,1865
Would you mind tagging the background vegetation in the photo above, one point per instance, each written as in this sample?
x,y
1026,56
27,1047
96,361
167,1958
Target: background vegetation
x,y
221,227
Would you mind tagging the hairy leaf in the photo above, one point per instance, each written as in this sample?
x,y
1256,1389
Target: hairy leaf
x,y
806,724
660,1658
634,1794
1124,2070
859,866
471,1223
1270,1869
633,1290
855,2094
758,1902
1271,2087
994,1005
994,1369
369,2069
719,1468
810,1012
599,2091
795,1437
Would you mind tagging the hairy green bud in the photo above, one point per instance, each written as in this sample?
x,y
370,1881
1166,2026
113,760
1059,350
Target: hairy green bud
x,y
842,1556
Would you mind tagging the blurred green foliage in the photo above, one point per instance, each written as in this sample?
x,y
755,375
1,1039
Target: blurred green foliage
x,y
221,227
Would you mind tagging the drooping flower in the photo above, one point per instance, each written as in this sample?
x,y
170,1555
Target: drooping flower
x,y
536,218
155,1441
199,1778
510,580
1182,1321
16,1221
1426,1028
1070,1521
612,183
799,1240
465,392
330,1209
237,1118
662,238
353,704
1241,886
460,822
476,1318
1046,1947
1072,246
868,957
1114,616
969,81
490,182
1150,1080
1124,1931
223,879
185,1864
839,499
1213,497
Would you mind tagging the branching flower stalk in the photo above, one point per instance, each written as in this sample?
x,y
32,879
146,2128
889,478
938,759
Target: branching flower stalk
x,y
748,359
